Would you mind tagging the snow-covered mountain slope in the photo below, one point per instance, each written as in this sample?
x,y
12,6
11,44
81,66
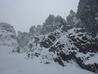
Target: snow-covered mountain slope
x,y
70,42
61,44
75,45
13,63
7,35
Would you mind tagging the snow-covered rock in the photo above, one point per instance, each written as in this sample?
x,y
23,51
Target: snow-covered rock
x,y
7,35
62,47
63,42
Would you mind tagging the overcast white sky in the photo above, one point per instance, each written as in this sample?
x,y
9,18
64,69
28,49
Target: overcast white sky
x,y
24,13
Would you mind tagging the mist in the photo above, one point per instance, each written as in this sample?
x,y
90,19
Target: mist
x,y
22,14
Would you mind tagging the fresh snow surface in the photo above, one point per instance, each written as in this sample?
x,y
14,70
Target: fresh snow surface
x,y
12,63
93,59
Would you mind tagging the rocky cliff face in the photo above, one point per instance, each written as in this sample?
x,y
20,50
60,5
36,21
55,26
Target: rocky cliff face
x,y
75,45
88,13
73,40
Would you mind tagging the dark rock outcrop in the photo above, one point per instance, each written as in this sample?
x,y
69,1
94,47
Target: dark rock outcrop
x,y
88,13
